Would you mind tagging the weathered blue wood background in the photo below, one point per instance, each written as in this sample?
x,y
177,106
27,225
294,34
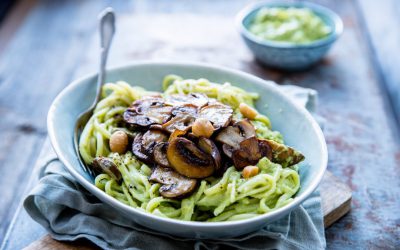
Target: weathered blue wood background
x,y
358,83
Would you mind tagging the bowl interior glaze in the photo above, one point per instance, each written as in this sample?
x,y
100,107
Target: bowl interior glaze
x,y
295,123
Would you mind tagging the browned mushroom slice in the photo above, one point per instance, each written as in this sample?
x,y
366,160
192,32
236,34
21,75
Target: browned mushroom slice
x,y
107,166
148,111
240,160
188,160
284,155
185,109
160,154
156,127
143,144
196,99
133,118
210,148
232,136
218,114
137,149
181,122
174,184
247,129
265,149
141,105
151,138
228,150
248,154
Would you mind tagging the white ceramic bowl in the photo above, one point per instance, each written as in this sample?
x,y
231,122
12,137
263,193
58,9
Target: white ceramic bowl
x,y
295,123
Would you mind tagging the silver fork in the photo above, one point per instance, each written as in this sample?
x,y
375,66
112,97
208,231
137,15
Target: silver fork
x,y
107,30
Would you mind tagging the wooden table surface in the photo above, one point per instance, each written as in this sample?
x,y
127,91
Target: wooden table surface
x,y
45,44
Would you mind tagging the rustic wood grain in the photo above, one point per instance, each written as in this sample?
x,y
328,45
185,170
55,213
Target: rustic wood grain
x,y
384,41
30,78
335,199
364,147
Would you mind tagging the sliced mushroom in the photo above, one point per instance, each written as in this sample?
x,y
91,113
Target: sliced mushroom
x,y
248,154
186,109
156,126
284,155
240,160
143,144
218,114
210,148
107,166
228,150
151,138
180,122
196,99
265,149
133,118
234,135
247,129
160,154
230,136
148,111
137,149
174,184
189,160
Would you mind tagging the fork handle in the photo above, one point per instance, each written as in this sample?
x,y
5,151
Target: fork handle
x,y
107,30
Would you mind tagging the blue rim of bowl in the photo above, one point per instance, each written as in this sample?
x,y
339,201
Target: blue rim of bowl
x,y
318,9
297,200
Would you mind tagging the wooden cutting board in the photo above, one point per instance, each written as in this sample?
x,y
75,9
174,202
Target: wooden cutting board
x,y
335,196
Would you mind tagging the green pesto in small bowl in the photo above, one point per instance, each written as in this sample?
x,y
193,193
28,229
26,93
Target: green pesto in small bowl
x,y
290,25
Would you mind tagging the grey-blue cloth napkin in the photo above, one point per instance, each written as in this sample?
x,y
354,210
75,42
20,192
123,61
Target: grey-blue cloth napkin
x,y
69,212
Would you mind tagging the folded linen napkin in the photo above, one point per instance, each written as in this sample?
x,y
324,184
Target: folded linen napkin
x,y
69,212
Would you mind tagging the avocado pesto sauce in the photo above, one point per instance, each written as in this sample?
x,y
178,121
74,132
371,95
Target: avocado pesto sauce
x,y
291,25
198,151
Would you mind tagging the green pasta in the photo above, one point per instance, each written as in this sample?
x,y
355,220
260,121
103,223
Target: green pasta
x,y
227,198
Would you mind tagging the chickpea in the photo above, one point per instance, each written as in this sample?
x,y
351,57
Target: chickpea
x,y
119,142
247,111
202,127
250,171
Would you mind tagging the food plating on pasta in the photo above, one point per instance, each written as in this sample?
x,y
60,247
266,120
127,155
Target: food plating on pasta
x,y
198,151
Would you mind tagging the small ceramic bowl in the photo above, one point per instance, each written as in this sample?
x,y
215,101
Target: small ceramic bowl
x,y
283,55
295,123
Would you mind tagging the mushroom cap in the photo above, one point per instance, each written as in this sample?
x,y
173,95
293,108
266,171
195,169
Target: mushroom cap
x,y
187,159
184,116
218,114
160,154
107,166
248,153
187,109
210,148
174,184
230,136
181,122
235,134
197,99
144,143
148,111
